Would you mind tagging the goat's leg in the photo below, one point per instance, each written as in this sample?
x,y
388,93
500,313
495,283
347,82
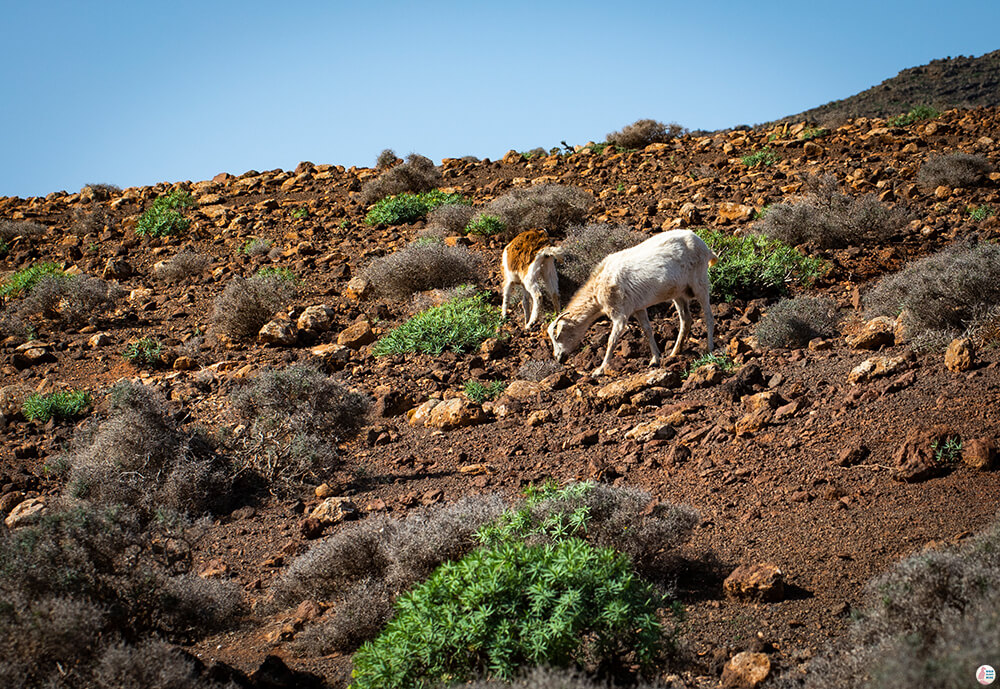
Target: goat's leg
x,y
536,307
525,303
706,308
552,285
684,313
508,285
643,319
617,327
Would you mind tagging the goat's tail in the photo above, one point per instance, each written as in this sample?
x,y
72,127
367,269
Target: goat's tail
x,y
713,260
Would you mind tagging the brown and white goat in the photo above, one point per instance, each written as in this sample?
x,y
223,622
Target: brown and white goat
x,y
671,265
529,261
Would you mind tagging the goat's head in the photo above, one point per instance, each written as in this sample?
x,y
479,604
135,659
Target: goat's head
x,y
560,333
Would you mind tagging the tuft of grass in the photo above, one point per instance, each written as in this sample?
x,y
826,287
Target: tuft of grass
x,y
409,207
486,225
954,170
164,217
979,213
917,114
145,351
725,364
257,246
24,280
300,213
276,273
63,405
4,247
754,265
764,156
810,133
483,392
459,325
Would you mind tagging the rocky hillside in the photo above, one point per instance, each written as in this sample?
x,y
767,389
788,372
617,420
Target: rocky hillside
x,y
820,464
954,82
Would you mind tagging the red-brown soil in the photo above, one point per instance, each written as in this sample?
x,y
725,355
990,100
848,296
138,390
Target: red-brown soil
x,y
773,495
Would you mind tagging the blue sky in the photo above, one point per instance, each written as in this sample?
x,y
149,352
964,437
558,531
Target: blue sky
x,y
134,93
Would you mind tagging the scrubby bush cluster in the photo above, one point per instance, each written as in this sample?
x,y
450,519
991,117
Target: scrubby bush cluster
x,y
641,133
930,621
943,294
453,217
44,290
459,325
793,322
386,159
365,566
916,114
418,174
12,229
954,170
829,219
258,246
587,245
294,419
756,266
246,304
421,266
83,587
536,370
184,265
552,207
139,457
164,218
409,207
765,156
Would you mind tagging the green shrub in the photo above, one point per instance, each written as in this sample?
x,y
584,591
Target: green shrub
x,y
145,351
756,266
24,280
641,133
300,213
60,405
409,207
793,322
499,609
917,114
164,218
486,225
459,325
483,392
4,247
764,156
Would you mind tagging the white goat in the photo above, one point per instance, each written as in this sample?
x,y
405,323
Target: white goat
x,y
672,265
529,261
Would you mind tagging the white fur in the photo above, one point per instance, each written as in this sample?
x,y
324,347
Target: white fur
x,y
539,277
669,266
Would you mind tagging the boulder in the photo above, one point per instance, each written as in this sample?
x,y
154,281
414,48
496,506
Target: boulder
x,y
315,319
659,428
334,510
915,459
980,453
446,414
760,582
278,332
876,367
619,391
357,335
746,670
25,513
877,333
960,355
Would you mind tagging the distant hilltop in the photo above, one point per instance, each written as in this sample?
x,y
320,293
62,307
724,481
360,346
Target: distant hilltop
x,y
953,82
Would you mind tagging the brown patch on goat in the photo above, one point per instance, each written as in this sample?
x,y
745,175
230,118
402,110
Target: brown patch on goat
x,y
523,248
